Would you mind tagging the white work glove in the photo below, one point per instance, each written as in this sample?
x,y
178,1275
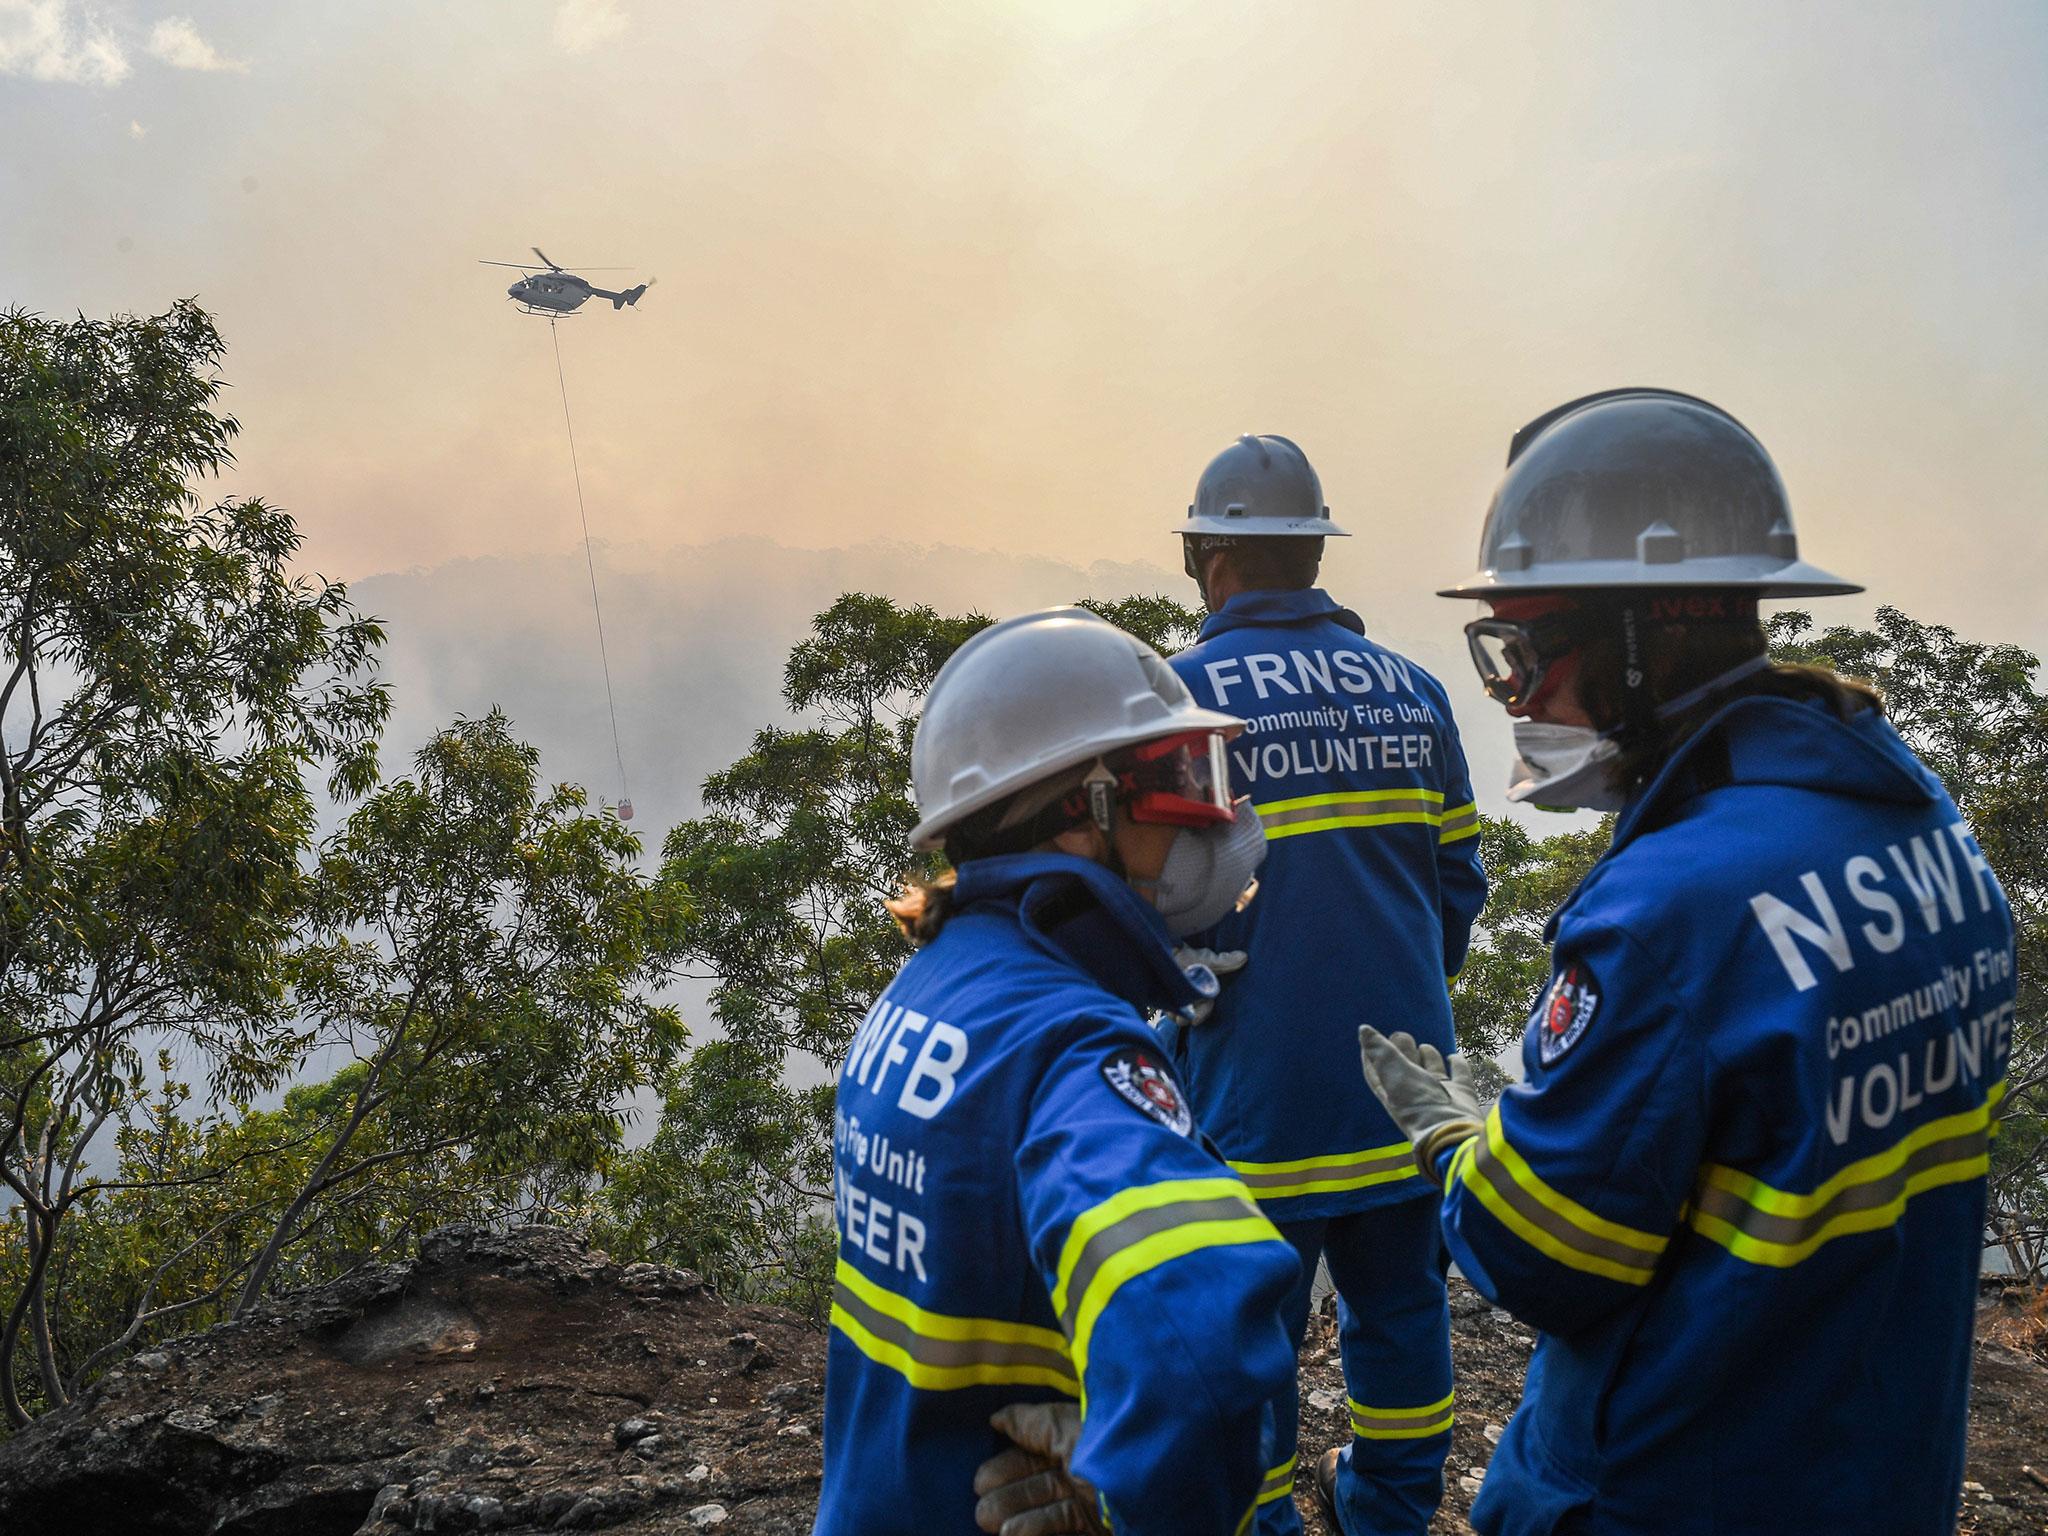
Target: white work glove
x,y
1431,1098
1221,963
1030,1490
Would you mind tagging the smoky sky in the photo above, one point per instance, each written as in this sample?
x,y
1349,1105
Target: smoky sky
x,y
1001,275
956,297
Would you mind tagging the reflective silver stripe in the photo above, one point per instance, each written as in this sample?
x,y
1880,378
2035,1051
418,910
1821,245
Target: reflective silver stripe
x,y
1135,1228
947,1352
1789,1231
1322,1173
1458,820
1542,1217
1417,805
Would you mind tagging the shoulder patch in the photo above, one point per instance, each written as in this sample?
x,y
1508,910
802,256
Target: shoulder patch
x,y
1566,1011
1142,1080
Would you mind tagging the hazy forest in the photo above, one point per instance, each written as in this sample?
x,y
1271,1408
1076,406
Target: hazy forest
x,y
240,1054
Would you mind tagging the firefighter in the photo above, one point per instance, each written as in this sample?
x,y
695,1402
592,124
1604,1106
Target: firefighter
x,y
1741,1187
1370,886
1027,1218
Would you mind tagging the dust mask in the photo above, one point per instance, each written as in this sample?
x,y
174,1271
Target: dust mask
x,y
1207,870
1564,767
1567,767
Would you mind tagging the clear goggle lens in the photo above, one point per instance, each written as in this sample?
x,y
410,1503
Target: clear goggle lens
x,y
1504,661
1512,656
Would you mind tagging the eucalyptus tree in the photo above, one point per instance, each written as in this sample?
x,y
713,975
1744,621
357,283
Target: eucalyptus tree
x,y
167,686
802,840
487,957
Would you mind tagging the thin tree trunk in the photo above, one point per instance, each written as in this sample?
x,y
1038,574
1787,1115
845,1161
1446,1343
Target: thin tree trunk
x,y
10,1333
39,1329
281,1234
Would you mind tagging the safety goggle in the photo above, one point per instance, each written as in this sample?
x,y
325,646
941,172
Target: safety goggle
x,y
1182,781
1513,655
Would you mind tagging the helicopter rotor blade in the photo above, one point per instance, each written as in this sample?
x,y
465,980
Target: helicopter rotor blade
x,y
518,265
543,255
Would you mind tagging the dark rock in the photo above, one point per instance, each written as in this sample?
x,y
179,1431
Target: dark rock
x,y
659,1280
1468,1303
461,1391
627,1431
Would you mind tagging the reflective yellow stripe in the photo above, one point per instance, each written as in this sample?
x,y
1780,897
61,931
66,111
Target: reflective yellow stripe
x,y
940,1352
1403,1423
1279,1483
1780,1228
1460,821
1138,1230
1455,1169
1306,802
1552,1223
1352,808
1324,1175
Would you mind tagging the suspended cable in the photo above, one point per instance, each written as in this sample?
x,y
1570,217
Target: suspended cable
x,y
590,560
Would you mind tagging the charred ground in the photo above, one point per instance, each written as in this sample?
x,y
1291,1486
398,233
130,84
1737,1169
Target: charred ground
x,y
522,1382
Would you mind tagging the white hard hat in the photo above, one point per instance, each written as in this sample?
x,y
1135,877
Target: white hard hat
x,y
1641,488
1031,696
1260,487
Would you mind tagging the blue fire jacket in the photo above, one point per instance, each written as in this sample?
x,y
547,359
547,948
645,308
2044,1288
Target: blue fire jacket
x,y
1366,900
1025,1213
1742,1189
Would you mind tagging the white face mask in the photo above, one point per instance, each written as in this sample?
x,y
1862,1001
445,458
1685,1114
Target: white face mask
x,y
1206,872
1563,767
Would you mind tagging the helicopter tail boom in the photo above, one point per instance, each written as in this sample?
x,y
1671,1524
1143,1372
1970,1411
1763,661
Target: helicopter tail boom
x,y
620,300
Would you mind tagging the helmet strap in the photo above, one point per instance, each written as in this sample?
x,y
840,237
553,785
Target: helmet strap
x,y
1642,715
1197,550
1101,788
1713,686
1638,714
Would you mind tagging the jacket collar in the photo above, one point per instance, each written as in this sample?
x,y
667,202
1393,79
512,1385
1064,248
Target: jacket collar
x,y
1265,609
1082,914
1797,743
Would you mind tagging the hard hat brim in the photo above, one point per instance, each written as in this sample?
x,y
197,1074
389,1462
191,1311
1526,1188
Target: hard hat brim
x,y
931,832
1738,572
1262,527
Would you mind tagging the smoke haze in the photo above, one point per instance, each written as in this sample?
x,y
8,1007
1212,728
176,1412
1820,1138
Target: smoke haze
x,y
1002,276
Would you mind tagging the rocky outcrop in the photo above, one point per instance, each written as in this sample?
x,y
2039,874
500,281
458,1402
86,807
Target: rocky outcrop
x,y
514,1381
522,1382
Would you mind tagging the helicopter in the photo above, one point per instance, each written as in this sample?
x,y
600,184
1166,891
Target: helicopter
x,y
550,290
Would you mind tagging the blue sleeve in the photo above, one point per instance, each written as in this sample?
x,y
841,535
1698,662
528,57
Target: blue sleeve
x,y
1561,1209
1461,875
1167,1282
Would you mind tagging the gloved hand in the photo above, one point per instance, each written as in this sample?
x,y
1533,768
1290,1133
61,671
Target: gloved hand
x,y
1430,1098
1030,1490
1221,962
